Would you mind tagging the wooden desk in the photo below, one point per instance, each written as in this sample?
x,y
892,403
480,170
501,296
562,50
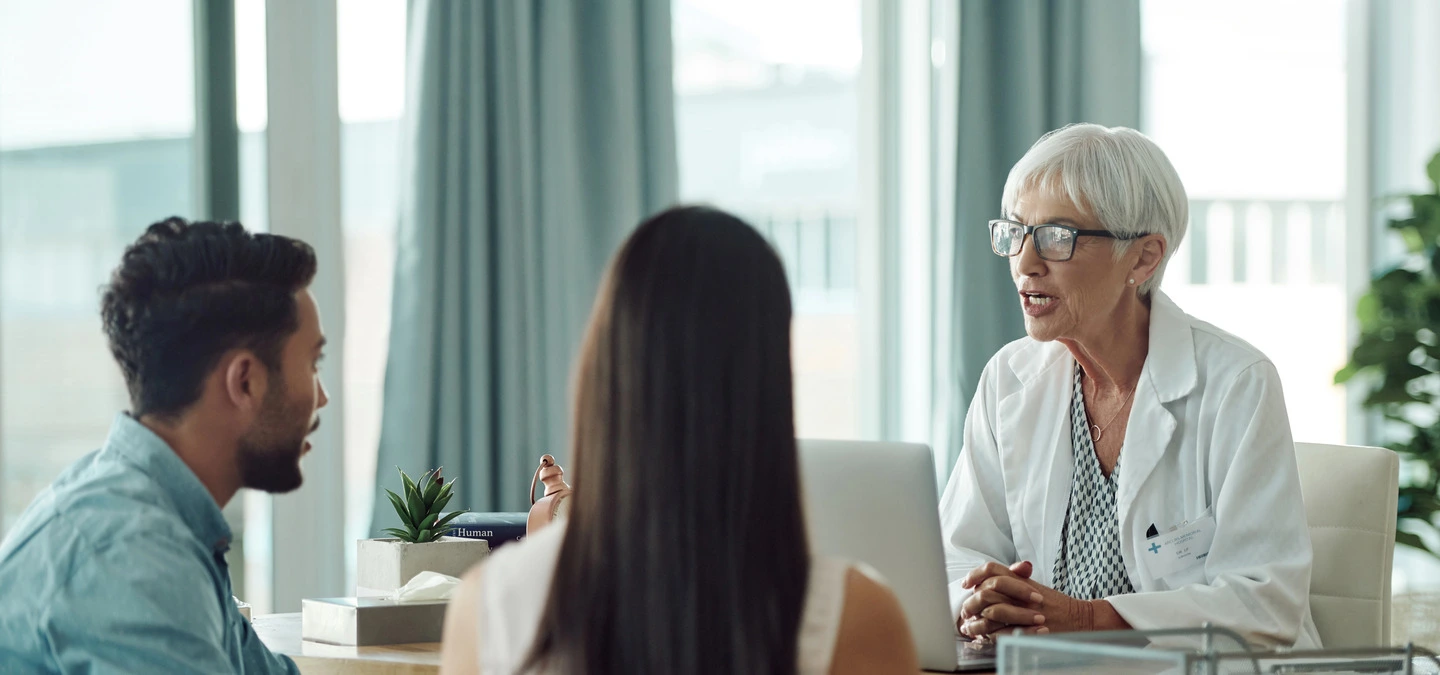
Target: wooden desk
x,y
281,633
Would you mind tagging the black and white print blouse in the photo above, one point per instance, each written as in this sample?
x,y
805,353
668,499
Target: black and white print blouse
x,y
1089,566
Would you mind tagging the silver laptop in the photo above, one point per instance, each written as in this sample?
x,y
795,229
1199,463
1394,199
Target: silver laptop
x,y
876,503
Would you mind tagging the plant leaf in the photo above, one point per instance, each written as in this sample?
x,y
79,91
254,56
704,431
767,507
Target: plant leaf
x,y
439,506
400,509
426,536
409,484
431,492
444,523
399,534
444,491
1433,171
1389,288
1367,310
441,524
429,522
1374,350
417,510
1412,540
1345,374
1421,502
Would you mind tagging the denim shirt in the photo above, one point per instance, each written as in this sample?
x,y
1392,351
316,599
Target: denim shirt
x,y
118,567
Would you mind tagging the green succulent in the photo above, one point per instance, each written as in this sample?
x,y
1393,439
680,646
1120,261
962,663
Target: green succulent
x,y
420,510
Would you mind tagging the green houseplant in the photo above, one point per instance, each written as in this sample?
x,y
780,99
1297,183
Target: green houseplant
x,y
420,511
1398,358
420,544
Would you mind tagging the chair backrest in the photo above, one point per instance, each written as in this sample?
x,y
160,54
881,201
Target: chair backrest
x,y
1350,493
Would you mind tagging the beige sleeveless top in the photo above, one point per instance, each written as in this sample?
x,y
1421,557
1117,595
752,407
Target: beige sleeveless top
x,y
516,580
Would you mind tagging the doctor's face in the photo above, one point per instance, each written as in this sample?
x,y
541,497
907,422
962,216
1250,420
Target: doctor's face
x,y
1068,300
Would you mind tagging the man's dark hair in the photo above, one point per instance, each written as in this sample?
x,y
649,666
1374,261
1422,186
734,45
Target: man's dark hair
x,y
186,293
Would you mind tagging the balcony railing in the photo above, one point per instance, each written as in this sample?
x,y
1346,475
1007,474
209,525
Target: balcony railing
x,y
818,250
1262,242
1285,241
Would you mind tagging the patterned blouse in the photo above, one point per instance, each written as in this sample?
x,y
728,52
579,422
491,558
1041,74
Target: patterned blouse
x,y
1089,566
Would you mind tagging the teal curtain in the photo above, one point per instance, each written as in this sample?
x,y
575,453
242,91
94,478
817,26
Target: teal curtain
x,y
1026,67
537,135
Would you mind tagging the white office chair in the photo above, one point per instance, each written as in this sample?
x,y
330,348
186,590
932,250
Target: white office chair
x,y
1350,494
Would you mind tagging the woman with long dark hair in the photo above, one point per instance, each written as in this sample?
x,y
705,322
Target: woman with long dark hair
x,y
685,548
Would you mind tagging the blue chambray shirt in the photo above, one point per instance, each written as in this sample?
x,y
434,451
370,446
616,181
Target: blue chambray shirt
x,y
118,567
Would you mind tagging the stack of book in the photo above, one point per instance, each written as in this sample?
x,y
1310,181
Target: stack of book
x,y
497,528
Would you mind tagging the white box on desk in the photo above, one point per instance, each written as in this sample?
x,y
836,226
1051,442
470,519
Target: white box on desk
x,y
362,622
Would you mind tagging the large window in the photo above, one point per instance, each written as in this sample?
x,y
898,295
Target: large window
x,y
372,97
250,513
371,64
90,154
767,124
1257,131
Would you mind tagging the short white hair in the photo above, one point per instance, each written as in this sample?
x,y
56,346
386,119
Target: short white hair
x,y
1115,175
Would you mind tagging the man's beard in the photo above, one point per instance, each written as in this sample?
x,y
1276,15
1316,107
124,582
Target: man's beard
x,y
269,455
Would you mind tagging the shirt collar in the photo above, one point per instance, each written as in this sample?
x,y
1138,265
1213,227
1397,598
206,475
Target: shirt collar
x,y
135,444
1171,363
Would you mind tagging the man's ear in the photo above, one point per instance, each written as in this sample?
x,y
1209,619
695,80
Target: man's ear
x,y
1152,253
244,380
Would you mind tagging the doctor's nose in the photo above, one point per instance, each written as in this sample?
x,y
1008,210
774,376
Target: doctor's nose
x,y
1027,262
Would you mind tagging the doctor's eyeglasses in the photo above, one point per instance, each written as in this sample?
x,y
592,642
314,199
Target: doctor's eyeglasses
x,y
1053,242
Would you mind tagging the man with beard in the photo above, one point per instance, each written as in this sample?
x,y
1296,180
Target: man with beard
x,y
119,565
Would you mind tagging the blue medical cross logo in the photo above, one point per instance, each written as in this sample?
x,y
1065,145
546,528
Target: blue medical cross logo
x,y
1154,548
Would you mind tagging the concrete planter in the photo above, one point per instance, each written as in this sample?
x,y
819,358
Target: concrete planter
x,y
383,565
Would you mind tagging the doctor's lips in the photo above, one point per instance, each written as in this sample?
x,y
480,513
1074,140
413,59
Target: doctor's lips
x,y
1036,302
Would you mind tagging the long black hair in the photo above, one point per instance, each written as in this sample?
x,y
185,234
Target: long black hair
x,y
686,549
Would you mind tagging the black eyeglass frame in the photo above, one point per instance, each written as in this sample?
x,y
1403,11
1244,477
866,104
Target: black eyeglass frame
x,y
1028,232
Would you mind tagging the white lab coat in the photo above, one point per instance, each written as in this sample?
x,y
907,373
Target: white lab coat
x,y
1208,435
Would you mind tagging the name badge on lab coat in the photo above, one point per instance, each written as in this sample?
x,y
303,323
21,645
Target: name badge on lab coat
x,y
1180,549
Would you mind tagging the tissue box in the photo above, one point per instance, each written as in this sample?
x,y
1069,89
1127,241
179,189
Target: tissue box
x,y
361,622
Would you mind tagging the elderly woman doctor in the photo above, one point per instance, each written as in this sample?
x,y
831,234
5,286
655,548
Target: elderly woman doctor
x,y
1125,465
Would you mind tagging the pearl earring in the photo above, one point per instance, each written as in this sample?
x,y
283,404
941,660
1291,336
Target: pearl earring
x,y
1132,282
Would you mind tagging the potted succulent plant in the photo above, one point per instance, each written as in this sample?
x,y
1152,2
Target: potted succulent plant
x,y
385,564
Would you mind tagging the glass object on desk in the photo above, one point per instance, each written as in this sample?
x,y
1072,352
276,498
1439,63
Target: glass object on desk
x,y
1194,651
